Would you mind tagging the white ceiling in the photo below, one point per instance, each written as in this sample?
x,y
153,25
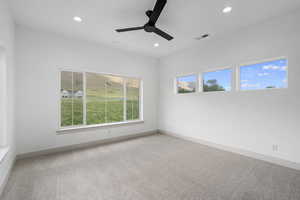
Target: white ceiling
x,y
184,19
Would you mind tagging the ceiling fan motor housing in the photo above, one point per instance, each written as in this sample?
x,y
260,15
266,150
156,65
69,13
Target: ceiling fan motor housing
x,y
149,13
149,28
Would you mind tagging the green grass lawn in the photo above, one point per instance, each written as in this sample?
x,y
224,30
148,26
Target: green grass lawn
x,y
66,112
99,111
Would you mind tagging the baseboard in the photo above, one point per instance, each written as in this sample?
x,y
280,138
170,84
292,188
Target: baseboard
x,y
2,186
87,145
270,159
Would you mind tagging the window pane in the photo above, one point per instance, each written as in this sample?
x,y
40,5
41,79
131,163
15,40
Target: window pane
x,y
133,99
66,99
95,98
186,84
217,80
266,75
114,99
77,98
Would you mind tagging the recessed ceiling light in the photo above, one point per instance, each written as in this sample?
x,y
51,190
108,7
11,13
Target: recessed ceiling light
x,y
227,9
77,19
156,45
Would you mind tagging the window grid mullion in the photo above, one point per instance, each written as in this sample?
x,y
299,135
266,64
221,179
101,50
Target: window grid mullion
x,y
125,99
72,96
105,84
84,98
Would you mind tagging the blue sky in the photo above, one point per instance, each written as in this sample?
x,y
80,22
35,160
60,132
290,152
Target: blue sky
x,y
223,77
191,78
262,75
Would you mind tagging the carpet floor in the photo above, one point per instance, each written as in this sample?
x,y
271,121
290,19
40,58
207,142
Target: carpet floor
x,y
150,168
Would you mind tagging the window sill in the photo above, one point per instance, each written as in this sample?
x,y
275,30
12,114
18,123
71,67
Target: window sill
x,y
3,153
74,128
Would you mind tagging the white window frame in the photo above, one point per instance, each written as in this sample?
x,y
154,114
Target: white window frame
x,y
3,100
238,73
4,146
63,129
233,71
184,75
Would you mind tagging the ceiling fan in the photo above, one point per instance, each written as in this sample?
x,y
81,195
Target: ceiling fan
x,y
150,25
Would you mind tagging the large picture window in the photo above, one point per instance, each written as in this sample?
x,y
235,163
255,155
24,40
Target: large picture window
x,y
105,99
264,75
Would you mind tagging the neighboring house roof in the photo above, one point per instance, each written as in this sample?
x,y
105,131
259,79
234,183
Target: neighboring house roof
x,y
69,93
65,93
79,93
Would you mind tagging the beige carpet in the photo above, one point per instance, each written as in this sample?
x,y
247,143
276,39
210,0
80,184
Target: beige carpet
x,y
150,168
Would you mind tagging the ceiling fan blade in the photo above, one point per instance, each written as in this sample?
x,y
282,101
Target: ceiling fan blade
x,y
130,29
163,34
159,6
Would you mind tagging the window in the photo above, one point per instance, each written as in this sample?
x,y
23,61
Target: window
x,y
115,99
95,99
265,75
220,80
71,98
133,99
186,84
105,99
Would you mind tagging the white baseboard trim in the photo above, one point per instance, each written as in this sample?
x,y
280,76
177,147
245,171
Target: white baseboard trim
x,y
86,145
270,159
2,185
3,153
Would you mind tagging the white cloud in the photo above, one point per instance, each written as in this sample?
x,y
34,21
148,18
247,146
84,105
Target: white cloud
x,y
263,74
282,61
285,81
185,85
250,85
266,67
284,68
274,67
244,81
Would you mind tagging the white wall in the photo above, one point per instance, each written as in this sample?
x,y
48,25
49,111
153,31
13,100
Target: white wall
x,y
252,121
3,95
7,43
39,55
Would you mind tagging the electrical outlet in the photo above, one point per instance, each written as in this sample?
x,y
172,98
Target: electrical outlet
x,y
275,147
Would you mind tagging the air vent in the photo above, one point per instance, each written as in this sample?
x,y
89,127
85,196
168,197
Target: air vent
x,y
202,37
